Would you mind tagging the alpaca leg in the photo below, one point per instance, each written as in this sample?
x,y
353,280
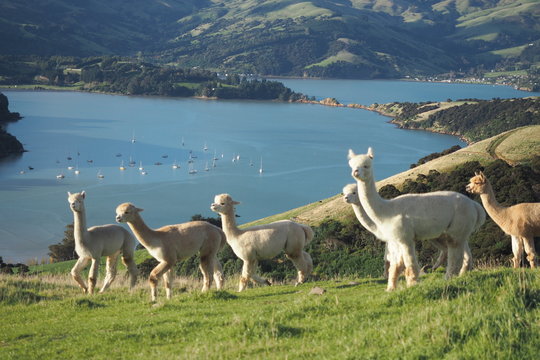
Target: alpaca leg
x,y
155,274
442,246
528,244
455,259
467,259
410,262
309,262
92,275
301,265
76,272
207,269
111,272
517,250
168,278
394,270
218,274
386,261
132,270
249,272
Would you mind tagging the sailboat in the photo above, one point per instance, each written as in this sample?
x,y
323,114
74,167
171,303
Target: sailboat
x,y
205,148
131,162
100,175
122,167
140,166
206,168
175,165
214,162
261,168
191,169
133,140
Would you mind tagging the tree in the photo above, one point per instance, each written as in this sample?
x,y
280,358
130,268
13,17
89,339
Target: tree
x,y
64,250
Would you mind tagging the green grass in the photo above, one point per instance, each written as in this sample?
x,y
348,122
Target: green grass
x,y
487,314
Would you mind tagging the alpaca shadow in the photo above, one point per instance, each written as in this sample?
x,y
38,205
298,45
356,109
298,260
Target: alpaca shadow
x,y
362,282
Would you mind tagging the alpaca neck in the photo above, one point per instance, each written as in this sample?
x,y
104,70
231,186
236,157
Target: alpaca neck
x,y
492,206
79,226
230,228
364,218
142,232
374,206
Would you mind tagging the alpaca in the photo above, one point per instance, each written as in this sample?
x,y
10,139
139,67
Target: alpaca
x,y
350,196
411,217
172,243
97,241
264,242
521,221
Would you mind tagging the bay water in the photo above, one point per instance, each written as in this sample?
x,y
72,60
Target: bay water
x,y
301,148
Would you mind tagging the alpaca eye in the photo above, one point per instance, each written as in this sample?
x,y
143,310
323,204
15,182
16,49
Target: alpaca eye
x,y
223,204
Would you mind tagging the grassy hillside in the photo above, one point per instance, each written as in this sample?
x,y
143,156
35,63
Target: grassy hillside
x,y
487,314
347,39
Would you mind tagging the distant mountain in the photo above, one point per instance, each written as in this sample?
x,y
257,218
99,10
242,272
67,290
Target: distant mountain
x,y
339,38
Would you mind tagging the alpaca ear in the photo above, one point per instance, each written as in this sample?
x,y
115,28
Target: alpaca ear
x,y
139,209
69,194
351,154
236,202
83,194
370,152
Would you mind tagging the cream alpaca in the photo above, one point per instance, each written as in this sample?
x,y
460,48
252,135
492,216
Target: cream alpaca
x,y
97,241
264,242
350,196
411,217
521,221
172,243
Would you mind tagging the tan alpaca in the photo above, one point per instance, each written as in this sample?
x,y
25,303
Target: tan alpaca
x,y
172,243
521,221
97,241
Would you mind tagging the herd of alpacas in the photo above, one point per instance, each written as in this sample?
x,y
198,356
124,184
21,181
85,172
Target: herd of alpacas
x,y
445,218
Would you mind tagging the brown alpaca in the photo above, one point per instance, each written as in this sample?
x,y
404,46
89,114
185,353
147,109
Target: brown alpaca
x,y
521,221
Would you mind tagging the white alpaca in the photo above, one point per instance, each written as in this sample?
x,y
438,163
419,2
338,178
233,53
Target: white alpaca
x,y
350,196
172,243
264,242
97,241
411,217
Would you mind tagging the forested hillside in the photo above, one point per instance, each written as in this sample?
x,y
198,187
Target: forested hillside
x,y
346,39
8,143
472,119
128,76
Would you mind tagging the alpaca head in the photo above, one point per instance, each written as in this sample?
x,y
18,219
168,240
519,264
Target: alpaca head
x,y
361,165
126,212
76,201
350,194
478,184
223,203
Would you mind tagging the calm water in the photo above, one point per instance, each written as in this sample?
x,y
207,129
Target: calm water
x,y
302,147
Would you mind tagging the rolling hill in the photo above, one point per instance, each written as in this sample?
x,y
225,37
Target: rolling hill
x,y
339,38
